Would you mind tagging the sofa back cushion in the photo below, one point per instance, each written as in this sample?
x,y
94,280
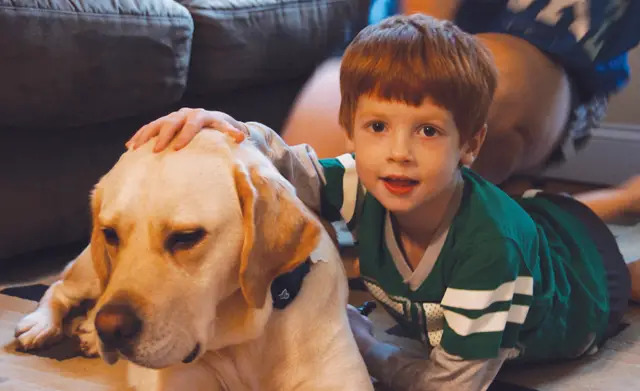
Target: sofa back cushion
x,y
67,63
245,42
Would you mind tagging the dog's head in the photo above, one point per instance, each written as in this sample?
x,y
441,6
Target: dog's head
x,y
186,245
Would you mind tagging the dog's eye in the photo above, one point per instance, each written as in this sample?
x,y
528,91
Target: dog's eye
x,y
110,236
184,240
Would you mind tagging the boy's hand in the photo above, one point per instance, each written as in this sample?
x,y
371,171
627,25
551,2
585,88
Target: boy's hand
x,y
183,125
362,329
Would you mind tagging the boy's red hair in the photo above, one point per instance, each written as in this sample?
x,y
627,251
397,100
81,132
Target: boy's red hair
x,y
408,58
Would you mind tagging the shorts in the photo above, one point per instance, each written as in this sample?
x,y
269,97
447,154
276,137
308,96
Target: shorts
x,y
618,278
590,45
583,118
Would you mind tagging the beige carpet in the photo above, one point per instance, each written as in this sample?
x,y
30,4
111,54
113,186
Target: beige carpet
x,y
26,372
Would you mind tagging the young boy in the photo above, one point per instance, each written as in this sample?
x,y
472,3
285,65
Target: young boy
x,y
479,277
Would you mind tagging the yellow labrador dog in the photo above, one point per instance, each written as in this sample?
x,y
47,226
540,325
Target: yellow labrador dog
x,y
184,248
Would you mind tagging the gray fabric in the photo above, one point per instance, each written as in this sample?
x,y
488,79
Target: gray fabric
x,y
241,42
398,371
74,62
298,164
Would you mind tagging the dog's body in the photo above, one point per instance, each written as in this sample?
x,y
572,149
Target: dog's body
x,y
184,248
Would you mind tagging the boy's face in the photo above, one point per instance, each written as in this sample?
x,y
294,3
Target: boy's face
x,y
407,156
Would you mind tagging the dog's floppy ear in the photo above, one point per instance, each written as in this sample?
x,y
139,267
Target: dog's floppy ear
x,y
279,233
99,254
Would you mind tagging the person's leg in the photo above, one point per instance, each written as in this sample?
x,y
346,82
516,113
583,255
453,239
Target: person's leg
x,y
314,116
610,204
526,119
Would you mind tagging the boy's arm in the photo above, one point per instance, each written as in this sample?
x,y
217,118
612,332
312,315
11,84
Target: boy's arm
x,y
484,306
298,164
442,371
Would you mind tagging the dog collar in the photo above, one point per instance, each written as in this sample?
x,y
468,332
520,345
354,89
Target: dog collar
x,y
285,287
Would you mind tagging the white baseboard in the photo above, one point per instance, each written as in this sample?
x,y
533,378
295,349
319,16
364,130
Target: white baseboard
x,y
610,157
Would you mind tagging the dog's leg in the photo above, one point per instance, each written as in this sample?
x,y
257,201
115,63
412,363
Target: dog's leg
x,y
88,335
44,326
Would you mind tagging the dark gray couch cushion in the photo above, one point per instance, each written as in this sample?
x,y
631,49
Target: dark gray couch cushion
x,y
242,42
74,62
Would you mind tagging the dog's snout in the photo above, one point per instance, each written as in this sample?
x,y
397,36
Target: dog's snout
x,y
117,325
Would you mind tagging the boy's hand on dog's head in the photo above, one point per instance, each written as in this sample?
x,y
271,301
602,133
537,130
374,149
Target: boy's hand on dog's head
x,y
183,125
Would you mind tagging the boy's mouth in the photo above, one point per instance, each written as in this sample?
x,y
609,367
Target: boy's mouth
x,y
399,184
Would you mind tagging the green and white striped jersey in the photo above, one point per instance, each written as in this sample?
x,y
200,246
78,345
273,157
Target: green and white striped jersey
x,y
519,274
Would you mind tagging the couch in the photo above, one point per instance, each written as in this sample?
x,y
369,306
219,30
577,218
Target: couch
x,y
78,77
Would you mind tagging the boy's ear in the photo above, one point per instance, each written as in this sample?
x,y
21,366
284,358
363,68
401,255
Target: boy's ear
x,y
349,142
472,146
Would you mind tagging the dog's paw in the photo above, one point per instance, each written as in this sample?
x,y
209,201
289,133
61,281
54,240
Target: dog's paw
x,y
37,330
88,337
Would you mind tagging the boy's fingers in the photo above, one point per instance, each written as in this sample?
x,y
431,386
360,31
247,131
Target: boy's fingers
x,y
132,141
188,132
226,128
169,128
237,136
192,125
145,133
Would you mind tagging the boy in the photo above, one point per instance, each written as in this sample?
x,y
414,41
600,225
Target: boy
x,y
479,277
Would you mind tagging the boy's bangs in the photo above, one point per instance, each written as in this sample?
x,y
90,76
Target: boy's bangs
x,y
407,59
406,84
396,88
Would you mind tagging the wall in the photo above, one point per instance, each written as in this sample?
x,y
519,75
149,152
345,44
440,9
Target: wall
x,y
625,107
613,154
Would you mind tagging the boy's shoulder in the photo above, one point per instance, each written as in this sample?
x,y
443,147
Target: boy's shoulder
x,y
488,214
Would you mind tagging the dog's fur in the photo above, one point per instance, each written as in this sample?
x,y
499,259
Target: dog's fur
x,y
213,293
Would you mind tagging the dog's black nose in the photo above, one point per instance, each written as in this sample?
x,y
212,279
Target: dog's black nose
x,y
117,325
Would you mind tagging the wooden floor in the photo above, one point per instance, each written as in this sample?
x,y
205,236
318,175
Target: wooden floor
x,y
27,372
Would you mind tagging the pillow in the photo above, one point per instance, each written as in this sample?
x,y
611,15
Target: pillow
x,y
72,62
246,42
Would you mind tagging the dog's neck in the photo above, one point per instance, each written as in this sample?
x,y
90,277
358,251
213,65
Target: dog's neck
x,y
237,323
236,342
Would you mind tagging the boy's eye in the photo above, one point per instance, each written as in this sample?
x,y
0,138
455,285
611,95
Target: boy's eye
x,y
428,131
377,126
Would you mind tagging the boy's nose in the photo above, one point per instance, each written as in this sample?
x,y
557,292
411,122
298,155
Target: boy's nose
x,y
400,148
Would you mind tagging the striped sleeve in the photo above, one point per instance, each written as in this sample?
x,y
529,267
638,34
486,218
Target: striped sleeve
x,y
299,164
328,186
486,302
342,193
